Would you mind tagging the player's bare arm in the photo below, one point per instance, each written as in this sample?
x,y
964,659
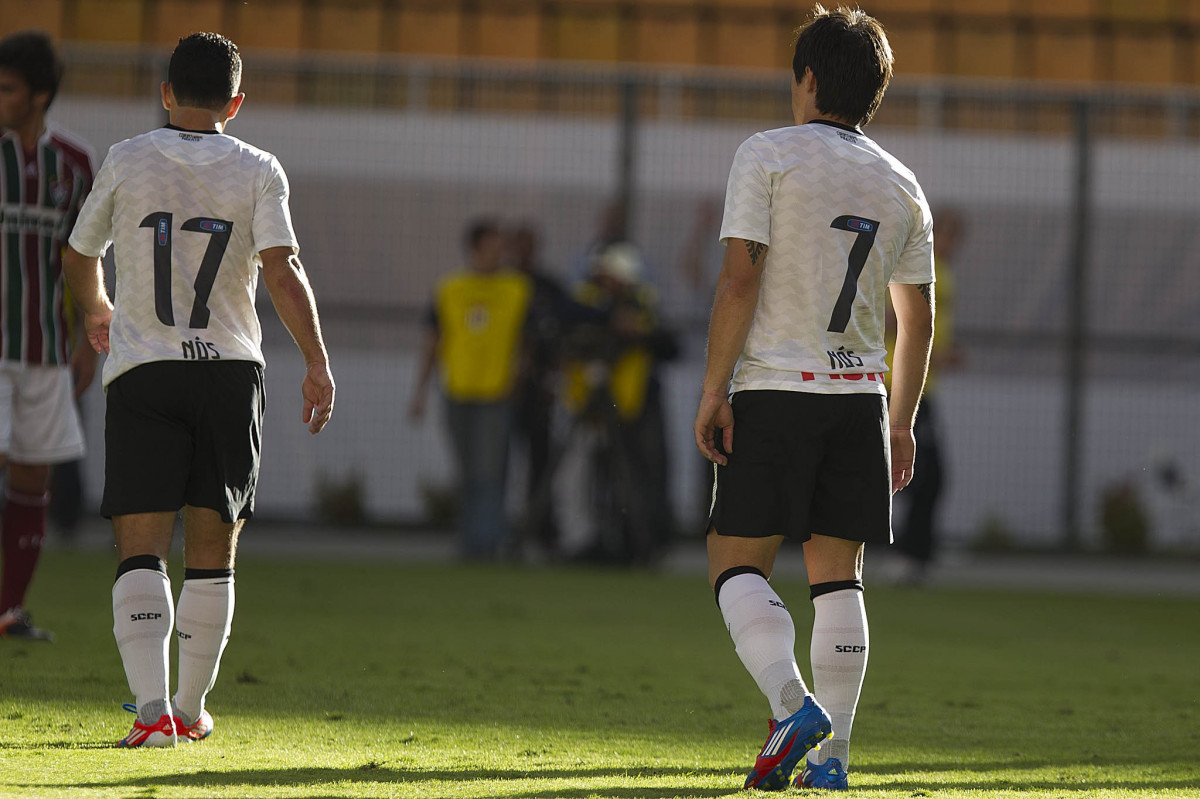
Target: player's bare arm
x,y
85,277
732,314
83,357
287,283
914,306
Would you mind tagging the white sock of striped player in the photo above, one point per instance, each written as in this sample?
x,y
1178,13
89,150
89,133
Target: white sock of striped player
x,y
142,619
840,641
202,622
764,637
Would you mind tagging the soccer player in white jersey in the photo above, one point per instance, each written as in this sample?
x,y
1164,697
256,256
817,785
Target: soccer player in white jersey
x,y
819,223
192,214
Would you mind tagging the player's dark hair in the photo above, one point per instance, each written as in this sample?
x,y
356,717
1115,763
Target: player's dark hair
x,y
849,55
205,71
479,230
31,55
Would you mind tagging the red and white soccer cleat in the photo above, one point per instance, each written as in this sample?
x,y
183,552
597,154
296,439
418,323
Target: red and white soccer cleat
x,y
194,732
159,734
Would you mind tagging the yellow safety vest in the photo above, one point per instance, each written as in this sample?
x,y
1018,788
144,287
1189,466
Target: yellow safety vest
x,y
480,317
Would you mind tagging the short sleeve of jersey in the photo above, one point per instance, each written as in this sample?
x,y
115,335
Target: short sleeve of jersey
x,y
272,224
916,262
92,233
748,195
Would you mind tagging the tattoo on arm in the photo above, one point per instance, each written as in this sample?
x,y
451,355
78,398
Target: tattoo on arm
x,y
756,250
926,290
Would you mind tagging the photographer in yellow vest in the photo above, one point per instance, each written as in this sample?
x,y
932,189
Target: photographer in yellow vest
x,y
476,328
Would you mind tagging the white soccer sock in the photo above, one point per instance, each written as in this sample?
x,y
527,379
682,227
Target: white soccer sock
x,y
765,639
142,619
202,625
839,661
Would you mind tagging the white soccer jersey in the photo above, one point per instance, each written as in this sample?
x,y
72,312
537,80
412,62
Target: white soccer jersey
x,y
842,218
187,214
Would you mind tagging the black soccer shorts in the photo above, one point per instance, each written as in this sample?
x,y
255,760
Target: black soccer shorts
x,y
183,433
806,463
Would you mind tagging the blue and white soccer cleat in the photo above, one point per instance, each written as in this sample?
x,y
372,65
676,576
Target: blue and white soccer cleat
x,y
159,734
829,775
198,731
789,741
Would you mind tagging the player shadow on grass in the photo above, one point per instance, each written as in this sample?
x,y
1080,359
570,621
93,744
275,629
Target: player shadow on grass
x,y
380,773
375,773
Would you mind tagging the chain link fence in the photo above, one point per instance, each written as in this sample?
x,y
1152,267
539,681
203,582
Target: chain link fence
x,y
1067,409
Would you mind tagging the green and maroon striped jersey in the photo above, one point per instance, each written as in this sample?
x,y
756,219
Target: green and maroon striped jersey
x,y
41,193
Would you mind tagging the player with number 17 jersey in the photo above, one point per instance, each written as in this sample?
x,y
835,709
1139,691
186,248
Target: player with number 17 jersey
x,y
146,203
841,219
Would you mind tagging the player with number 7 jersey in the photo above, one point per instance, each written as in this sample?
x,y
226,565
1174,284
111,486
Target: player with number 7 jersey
x,y
842,219
821,225
193,214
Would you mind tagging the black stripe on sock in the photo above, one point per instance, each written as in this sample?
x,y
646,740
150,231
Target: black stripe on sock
x,y
821,589
731,573
206,574
151,562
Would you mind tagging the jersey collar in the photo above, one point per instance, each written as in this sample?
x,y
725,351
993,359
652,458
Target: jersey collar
x,y
169,126
839,125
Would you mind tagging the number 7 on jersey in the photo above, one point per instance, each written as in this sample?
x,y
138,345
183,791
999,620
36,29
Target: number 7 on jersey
x,y
865,230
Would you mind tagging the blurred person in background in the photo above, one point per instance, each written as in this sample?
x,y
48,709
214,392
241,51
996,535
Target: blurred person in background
x,y
917,539
45,174
611,228
612,379
477,325
536,393
699,264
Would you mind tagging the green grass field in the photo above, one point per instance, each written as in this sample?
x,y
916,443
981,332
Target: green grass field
x,y
356,680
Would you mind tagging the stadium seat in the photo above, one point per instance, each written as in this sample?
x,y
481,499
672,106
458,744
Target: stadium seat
x,y
349,26
46,15
114,21
270,24
508,33
170,19
1064,55
425,30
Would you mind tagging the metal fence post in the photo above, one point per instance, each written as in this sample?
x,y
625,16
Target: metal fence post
x,y
626,175
1077,329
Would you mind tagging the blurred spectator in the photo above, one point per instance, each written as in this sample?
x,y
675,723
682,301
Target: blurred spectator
x,y
612,380
699,264
918,537
475,335
549,310
611,230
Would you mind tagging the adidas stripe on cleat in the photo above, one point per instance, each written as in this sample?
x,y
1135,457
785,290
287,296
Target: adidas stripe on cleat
x,y
194,732
829,775
788,741
159,734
